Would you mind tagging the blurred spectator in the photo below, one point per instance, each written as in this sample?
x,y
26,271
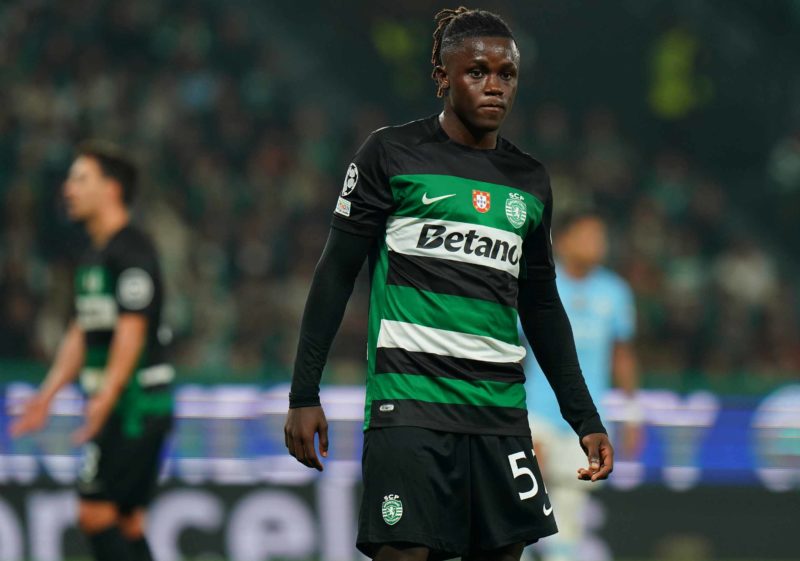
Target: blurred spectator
x,y
243,161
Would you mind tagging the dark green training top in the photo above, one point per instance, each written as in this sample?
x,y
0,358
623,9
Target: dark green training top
x,y
124,277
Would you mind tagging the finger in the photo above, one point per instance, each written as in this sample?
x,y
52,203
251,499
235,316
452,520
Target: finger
x,y
290,445
296,448
602,473
607,453
301,448
323,440
311,455
593,455
20,426
584,474
16,430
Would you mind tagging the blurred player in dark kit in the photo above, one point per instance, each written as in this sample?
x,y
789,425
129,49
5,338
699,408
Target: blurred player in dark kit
x,y
112,344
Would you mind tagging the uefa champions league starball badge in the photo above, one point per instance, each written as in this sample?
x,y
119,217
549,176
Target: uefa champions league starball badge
x,y
350,180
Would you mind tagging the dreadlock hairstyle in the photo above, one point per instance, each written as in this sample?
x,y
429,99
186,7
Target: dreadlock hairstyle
x,y
454,25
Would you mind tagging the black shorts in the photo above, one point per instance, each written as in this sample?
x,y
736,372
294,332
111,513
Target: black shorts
x,y
121,468
456,494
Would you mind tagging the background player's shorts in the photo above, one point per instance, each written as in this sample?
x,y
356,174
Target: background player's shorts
x,y
123,469
454,493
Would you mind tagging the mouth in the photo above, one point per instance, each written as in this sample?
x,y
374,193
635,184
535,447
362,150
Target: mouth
x,y
498,107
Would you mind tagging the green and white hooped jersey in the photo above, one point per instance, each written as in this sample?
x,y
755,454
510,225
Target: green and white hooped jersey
x,y
123,277
457,227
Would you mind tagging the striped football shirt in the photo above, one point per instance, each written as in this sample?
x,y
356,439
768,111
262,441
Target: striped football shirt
x,y
456,228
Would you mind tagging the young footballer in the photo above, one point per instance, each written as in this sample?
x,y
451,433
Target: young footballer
x,y
455,222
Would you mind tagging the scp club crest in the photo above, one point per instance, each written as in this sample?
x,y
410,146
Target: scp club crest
x,y
481,200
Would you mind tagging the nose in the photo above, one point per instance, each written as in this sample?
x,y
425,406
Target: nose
x,y
67,189
493,86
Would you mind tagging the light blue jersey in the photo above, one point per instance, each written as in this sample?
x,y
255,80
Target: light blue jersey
x,y
601,310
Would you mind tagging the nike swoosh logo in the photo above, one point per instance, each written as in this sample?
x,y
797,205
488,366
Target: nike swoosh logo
x,y
427,201
547,511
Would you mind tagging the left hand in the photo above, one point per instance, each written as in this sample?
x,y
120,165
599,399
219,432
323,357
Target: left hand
x,y
600,454
98,409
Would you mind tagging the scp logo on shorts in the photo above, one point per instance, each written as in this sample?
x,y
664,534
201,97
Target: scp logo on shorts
x,y
350,180
392,509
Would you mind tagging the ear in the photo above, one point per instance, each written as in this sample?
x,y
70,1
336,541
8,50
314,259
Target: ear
x,y
440,75
116,189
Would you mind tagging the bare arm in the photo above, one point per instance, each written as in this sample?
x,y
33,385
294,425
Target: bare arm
x,y
64,370
126,347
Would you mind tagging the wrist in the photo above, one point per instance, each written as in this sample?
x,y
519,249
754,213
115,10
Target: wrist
x,y
110,391
592,425
46,395
300,400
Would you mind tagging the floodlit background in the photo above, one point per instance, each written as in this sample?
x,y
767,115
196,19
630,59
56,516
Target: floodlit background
x,y
679,120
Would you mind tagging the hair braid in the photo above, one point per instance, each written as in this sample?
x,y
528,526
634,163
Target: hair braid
x,y
452,25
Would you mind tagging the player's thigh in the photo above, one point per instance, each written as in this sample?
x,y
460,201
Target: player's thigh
x,y
510,505
416,488
99,470
121,465
142,455
96,515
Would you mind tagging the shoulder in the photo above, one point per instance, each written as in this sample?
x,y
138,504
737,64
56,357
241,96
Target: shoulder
x,y
526,169
521,158
611,281
413,132
132,241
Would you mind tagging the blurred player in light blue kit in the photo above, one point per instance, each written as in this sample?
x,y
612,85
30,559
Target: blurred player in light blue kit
x,y
600,307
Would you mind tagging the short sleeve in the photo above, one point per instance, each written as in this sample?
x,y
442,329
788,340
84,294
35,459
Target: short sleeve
x,y
137,278
366,198
538,245
624,322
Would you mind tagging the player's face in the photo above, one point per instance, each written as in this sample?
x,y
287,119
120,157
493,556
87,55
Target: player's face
x,y
85,189
585,243
481,75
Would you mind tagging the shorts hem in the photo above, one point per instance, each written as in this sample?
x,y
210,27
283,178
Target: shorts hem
x,y
439,549
528,537
122,505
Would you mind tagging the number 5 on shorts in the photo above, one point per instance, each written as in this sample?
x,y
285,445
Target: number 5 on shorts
x,y
518,471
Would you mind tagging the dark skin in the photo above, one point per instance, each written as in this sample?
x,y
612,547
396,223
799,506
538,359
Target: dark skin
x,y
479,78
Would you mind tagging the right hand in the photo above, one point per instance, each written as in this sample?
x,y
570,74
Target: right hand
x,y
302,423
34,417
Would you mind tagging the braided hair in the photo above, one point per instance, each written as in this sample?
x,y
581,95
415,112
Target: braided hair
x,y
454,25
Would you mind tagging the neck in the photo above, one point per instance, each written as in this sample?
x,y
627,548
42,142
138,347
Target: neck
x,y
575,270
104,225
458,131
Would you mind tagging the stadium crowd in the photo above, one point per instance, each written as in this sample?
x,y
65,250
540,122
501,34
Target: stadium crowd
x,y
239,181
